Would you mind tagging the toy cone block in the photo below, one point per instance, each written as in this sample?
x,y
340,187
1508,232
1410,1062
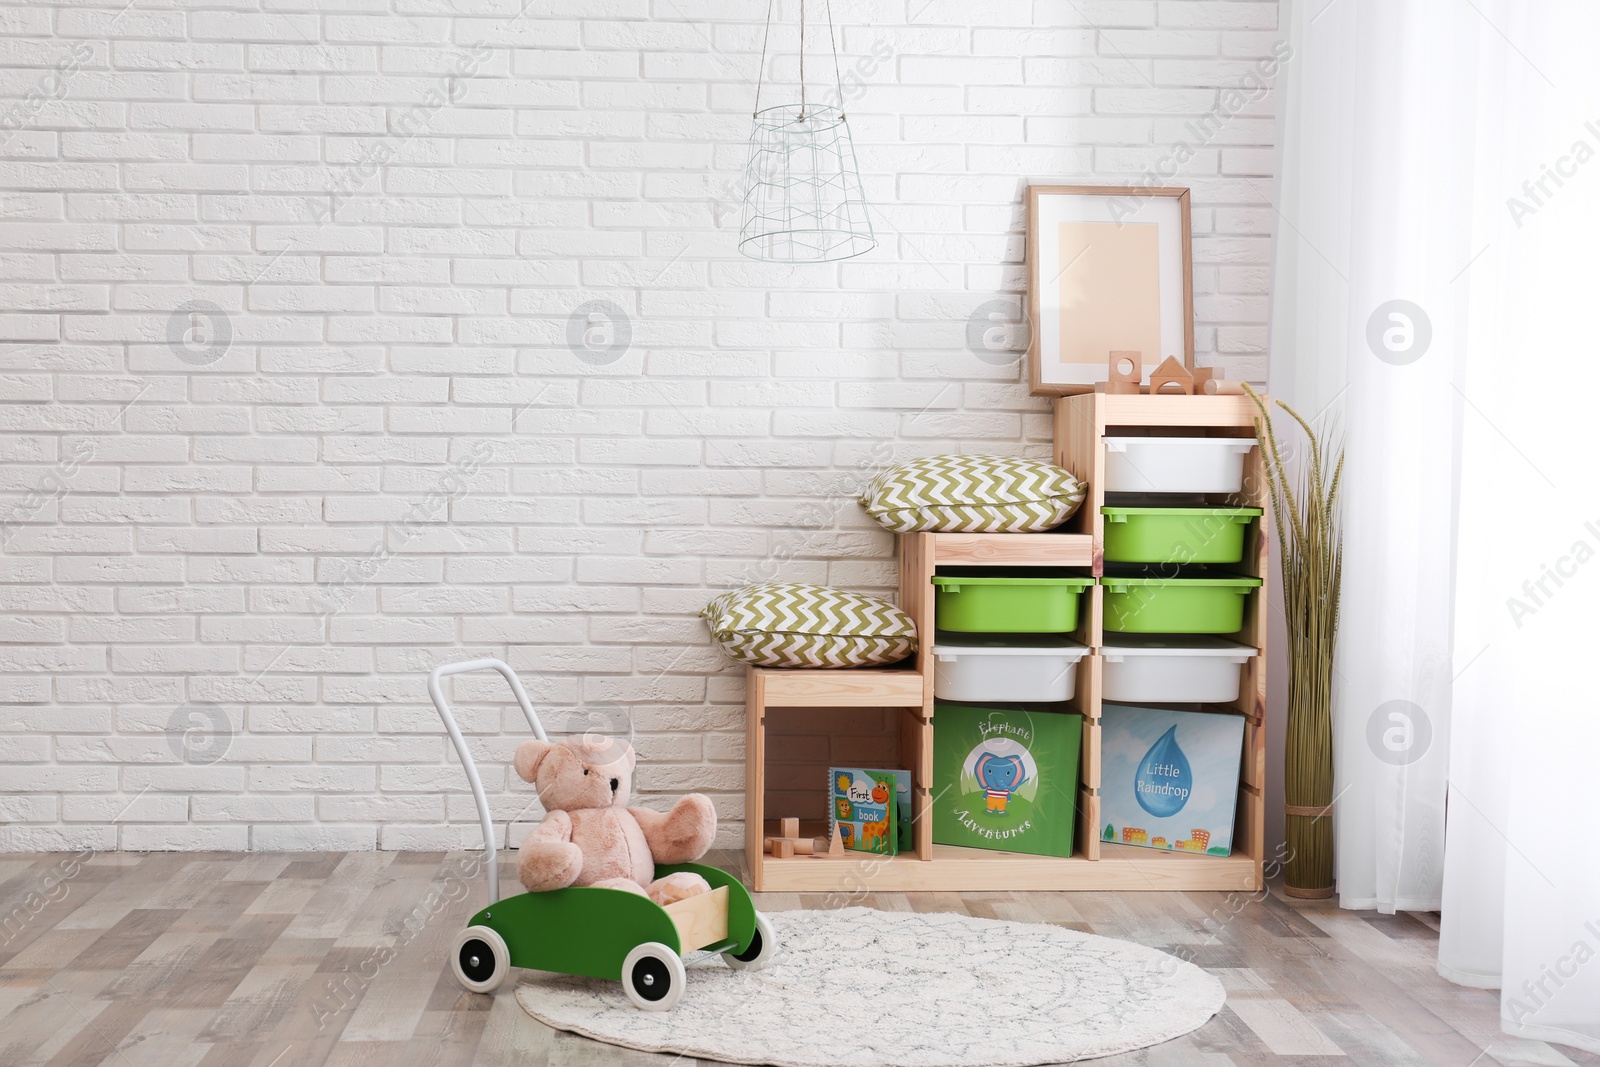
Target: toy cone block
x,y
834,849
1124,369
1171,377
789,828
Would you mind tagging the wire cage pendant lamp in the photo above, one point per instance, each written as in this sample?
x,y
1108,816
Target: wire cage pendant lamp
x,y
802,200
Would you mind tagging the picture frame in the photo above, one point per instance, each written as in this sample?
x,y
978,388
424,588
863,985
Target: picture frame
x,y
1110,268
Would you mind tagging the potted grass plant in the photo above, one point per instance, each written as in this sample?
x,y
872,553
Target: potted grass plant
x,y
1305,510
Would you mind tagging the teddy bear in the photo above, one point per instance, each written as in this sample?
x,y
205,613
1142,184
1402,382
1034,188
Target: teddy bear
x,y
590,837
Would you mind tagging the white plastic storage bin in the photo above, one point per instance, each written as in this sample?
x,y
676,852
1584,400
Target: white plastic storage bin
x,y
1146,669
1176,464
993,670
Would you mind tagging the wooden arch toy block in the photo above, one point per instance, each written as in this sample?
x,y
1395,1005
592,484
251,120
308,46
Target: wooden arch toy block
x,y
1171,373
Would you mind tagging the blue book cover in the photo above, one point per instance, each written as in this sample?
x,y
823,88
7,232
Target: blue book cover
x,y
1169,779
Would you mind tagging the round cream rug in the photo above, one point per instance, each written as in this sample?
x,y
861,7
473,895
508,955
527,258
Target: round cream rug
x,y
865,988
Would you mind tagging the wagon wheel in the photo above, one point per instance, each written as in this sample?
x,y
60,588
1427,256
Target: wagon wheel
x,y
763,946
653,977
479,958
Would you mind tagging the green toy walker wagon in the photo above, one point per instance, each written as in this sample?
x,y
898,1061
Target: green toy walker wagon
x,y
624,936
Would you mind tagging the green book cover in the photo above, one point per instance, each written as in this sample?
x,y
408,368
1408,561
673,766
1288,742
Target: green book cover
x,y
1005,779
862,806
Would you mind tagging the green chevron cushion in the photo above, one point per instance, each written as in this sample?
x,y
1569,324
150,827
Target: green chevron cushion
x,y
973,494
780,624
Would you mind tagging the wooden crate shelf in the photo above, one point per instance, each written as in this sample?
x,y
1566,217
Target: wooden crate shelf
x,y
1012,550
1081,422
1121,868
841,688
1177,412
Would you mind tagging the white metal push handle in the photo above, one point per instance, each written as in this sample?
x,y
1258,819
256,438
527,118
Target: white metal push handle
x,y
436,691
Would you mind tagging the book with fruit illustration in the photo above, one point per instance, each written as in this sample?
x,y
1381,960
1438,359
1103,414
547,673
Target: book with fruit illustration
x,y
862,806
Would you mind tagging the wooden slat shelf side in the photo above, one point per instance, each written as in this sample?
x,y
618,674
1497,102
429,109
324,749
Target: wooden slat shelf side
x,y
844,688
1160,871
954,870
1146,410
1013,550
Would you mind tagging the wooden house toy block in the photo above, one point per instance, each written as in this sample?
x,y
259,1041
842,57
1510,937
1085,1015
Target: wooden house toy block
x,y
1171,377
1125,369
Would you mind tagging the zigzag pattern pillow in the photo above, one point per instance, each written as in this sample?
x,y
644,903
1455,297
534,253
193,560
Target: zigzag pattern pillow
x,y
973,494
782,624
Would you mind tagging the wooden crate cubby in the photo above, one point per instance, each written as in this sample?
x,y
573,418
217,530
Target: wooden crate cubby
x,y
902,697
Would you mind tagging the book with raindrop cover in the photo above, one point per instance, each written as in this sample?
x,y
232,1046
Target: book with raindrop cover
x,y
1169,779
1005,778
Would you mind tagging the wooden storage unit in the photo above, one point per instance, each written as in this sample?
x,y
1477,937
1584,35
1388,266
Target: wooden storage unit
x,y
1080,424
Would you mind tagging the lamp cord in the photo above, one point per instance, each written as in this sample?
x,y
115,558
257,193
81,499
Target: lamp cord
x,y
802,60
761,72
838,82
833,45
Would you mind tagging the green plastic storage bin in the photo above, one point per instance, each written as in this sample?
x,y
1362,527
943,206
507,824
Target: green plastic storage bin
x,y
1033,605
1176,535
1176,605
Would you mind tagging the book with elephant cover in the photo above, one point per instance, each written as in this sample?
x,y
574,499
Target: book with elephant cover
x,y
1005,779
863,807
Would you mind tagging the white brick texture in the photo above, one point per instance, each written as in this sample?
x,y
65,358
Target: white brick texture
x,y
342,339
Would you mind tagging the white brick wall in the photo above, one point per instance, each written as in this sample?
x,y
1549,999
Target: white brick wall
x,y
396,460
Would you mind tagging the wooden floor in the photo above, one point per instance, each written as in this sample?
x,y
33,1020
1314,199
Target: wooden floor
x,y
293,960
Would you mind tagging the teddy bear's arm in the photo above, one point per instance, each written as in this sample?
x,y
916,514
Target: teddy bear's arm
x,y
683,834
556,826
549,858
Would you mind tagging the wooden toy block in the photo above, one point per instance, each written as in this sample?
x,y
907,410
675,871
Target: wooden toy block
x,y
1218,387
788,842
1172,378
829,848
1125,370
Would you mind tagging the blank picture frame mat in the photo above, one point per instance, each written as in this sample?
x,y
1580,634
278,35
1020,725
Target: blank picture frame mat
x,y
1112,285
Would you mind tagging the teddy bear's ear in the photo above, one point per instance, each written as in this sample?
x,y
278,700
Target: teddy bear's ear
x,y
529,755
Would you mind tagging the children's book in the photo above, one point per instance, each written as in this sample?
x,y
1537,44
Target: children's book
x,y
862,807
1005,779
1170,779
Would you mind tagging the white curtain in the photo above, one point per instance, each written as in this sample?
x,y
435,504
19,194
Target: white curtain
x,y
1469,628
